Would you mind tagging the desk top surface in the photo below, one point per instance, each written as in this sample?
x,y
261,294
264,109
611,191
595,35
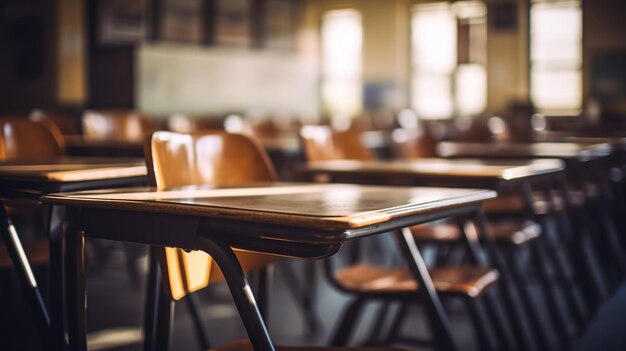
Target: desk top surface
x,y
321,206
498,169
566,151
72,169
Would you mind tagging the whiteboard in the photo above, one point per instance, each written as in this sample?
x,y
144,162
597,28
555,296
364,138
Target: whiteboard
x,y
194,80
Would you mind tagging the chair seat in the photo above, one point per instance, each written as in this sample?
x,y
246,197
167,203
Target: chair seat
x,y
36,251
244,345
466,281
509,232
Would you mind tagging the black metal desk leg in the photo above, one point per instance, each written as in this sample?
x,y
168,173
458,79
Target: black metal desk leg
x,y
153,290
25,276
241,292
57,277
438,318
75,284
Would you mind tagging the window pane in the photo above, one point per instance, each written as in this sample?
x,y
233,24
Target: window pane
x,y
432,95
471,88
556,90
342,37
434,37
556,55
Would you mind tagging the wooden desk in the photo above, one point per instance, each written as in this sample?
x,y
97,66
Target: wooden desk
x,y
517,177
492,174
30,180
297,220
564,151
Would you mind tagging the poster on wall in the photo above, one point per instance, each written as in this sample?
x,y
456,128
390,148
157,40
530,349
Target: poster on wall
x,y
280,24
232,22
122,21
182,20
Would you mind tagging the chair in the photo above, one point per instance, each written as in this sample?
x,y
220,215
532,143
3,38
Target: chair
x,y
21,139
176,160
117,125
321,143
26,140
180,123
67,124
371,282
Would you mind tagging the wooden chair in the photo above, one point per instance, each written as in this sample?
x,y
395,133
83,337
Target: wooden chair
x,y
180,123
321,143
21,139
117,125
176,160
371,282
67,124
27,140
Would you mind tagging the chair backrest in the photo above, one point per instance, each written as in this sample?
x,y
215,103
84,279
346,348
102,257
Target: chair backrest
x,y
29,140
413,143
213,158
66,123
321,143
116,125
180,123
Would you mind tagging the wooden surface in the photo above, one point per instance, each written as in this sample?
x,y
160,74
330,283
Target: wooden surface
x,y
568,151
206,159
69,169
464,281
321,143
500,169
618,143
321,206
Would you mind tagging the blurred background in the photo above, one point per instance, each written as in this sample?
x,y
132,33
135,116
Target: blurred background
x,y
463,70
309,60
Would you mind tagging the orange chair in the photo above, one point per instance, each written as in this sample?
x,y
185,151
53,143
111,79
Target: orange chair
x,y
176,160
117,125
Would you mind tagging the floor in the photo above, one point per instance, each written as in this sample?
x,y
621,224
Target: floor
x,y
115,307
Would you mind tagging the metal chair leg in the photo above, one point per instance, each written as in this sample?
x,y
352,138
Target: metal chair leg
x,y
480,324
201,327
347,322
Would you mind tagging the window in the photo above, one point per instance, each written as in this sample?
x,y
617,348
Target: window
x,y
556,56
448,57
342,36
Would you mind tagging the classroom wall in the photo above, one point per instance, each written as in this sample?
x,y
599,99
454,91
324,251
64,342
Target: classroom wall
x,y
71,60
27,55
604,30
507,60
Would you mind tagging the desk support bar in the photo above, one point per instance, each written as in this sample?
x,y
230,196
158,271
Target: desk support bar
x,y
75,278
56,217
25,276
241,292
438,319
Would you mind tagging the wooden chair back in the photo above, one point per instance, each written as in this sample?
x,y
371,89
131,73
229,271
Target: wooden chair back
x,y
116,125
67,124
413,144
29,140
180,123
321,143
215,158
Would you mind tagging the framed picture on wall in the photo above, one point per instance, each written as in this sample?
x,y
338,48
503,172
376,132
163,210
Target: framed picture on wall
x,y
280,24
122,21
233,22
182,20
